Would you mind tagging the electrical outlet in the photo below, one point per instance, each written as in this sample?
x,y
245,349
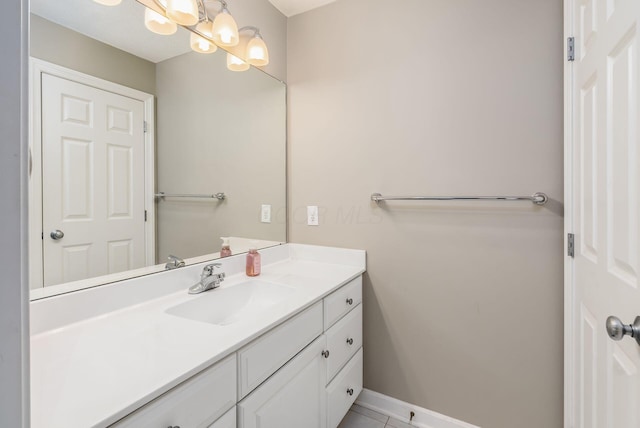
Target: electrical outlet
x,y
312,215
265,215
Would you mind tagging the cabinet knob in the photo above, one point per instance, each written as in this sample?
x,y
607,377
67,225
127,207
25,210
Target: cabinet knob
x,y
350,341
349,301
325,353
350,391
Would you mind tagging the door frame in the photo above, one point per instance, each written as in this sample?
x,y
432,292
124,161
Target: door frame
x,y
569,282
37,68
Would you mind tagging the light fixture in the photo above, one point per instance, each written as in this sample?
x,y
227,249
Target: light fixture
x,y
183,12
256,51
236,64
108,2
225,29
207,35
201,44
158,23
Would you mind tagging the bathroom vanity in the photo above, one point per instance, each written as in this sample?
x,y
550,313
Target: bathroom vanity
x,y
280,350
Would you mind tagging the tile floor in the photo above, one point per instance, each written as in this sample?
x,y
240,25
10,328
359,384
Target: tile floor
x,y
361,417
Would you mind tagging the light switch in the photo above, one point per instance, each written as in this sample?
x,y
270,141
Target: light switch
x,y
312,215
265,216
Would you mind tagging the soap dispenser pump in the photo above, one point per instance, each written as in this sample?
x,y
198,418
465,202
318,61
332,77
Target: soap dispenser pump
x,y
226,247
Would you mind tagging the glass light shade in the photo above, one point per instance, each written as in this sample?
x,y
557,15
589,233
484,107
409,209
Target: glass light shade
x,y
236,64
199,43
257,52
183,12
225,30
159,24
108,2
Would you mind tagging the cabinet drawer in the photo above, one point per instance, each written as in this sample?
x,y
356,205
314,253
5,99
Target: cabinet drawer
x,y
196,403
262,357
343,340
341,301
227,421
343,391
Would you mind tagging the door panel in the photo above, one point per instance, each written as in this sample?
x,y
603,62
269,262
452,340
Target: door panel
x,y
605,186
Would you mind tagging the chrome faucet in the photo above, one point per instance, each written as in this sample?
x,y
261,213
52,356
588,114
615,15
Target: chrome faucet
x,y
208,280
174,262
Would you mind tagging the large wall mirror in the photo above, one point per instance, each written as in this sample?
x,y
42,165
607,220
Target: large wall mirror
x,y
142,148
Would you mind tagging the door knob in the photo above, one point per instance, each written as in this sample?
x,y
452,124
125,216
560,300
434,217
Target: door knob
x,y
57,235
617,330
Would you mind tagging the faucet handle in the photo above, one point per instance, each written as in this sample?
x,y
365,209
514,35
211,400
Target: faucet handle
x,y
208,269
174,262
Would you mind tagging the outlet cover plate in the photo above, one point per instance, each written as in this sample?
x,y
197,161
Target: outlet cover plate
x,y
265,215
312,215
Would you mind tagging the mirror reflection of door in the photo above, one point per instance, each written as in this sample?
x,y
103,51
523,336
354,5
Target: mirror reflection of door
x,y
93,158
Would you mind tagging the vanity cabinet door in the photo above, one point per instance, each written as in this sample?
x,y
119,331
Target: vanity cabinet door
x,y
294,397
227,421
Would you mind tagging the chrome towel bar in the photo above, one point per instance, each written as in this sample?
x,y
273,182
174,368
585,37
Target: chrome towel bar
x,y
219,196
538,198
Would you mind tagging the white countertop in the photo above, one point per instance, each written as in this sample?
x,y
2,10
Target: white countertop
x,y
91,371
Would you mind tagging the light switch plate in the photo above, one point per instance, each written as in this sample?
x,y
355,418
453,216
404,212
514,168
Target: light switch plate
x,y
312,215
265,215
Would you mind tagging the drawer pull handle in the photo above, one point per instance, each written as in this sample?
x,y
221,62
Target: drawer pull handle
x,y
325,354
350,341
177,426
349,301
350,391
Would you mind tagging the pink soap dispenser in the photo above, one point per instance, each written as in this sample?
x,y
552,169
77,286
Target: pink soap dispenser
x,y
226,248
253,260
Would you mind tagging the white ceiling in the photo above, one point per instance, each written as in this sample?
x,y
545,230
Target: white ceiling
x,y
294,7
120,26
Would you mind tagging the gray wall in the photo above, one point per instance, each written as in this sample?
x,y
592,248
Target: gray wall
x,y
14,288
218,131
59,45
463,301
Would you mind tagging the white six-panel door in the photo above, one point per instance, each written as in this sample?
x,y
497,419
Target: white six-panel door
x,y
604,390
93,164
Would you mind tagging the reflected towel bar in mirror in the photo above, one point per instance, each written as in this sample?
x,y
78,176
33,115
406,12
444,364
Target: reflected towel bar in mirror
x,y
219,196
538,198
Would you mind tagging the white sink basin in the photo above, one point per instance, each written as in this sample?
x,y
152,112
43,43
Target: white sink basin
x,y
227,305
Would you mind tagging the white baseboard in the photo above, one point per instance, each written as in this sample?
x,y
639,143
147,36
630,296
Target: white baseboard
x,y
401,411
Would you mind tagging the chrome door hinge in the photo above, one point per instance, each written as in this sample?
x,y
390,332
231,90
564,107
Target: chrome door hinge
x,y
571,49
571,244
145,126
